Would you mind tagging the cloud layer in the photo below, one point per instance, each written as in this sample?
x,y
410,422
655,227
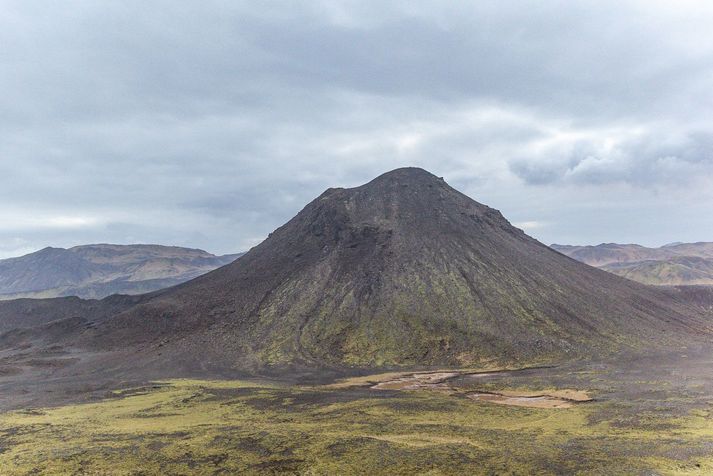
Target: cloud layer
x,y
210,123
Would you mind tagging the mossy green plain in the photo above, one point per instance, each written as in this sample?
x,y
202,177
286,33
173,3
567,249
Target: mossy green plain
x,y
228,427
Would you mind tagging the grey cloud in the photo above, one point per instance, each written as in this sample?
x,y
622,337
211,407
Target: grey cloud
x,y
210,123
651,161
536,174
196,58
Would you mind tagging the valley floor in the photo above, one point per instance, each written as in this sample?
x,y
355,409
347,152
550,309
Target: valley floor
x,y
646,416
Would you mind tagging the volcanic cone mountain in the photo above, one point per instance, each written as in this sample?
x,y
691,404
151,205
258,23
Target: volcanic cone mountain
x,y
404,270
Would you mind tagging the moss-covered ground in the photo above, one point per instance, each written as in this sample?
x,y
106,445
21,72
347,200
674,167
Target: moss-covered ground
x,y
252,427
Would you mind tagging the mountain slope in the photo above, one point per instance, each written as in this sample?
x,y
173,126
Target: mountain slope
x,y
404,270
674,264
96,271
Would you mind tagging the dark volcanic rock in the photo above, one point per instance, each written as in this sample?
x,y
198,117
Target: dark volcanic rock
x,y
404,270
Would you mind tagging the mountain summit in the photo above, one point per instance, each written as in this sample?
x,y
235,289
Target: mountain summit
x,y
403,270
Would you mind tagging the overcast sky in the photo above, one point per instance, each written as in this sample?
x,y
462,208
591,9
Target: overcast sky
x,y
208,123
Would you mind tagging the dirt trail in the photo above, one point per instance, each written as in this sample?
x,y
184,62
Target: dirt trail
x,y
431,381
531,401
438,381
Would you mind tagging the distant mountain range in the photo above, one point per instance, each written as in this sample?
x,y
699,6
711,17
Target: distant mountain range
x,y
97,271
672,264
